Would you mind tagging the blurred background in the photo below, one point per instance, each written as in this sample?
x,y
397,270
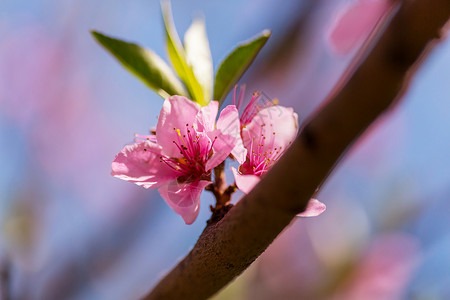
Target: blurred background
x,y
68,230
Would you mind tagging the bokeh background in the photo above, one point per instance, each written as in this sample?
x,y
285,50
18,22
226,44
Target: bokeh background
x,y
68,230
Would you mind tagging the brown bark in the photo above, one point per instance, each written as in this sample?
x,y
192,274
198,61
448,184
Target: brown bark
x,y
227,248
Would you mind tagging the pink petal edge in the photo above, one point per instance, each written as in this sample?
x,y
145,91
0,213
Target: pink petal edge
x,y
229,124
313,209
206,117
245,182
184,198
177,111
140,163
223,144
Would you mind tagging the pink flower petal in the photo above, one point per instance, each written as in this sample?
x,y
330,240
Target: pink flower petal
x,y
140,163
229,124
245,182
354,22
140,137
313,209
223,144
206,118
272,127
184,198
176,113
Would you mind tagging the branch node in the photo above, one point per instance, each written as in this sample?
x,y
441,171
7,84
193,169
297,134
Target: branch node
x,y
218,214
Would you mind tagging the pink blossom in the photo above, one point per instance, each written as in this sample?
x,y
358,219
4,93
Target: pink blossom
x,y
354,22
267,131
265,137
179,161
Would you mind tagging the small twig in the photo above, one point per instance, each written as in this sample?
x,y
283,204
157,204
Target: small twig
x,y
221,192
229,191
219,177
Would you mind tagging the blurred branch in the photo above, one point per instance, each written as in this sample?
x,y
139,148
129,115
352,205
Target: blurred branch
x,y
228,247
5,279
284,48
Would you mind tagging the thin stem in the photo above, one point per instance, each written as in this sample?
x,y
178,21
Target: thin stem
x,y
219,188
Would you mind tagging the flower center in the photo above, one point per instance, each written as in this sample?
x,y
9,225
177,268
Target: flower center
x,y
262,155
195,149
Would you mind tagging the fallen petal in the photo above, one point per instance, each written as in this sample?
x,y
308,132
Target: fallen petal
x,y
313,209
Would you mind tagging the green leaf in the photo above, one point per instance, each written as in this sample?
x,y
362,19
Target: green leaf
x,y
177,56
145,64
236,63
198,55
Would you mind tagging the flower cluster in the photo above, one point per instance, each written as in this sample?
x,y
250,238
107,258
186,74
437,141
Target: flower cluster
x,y
189,143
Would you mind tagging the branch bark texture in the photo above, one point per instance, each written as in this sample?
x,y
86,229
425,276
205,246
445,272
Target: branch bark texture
x,y
228,247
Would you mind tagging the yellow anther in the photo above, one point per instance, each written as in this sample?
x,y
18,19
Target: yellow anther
x,y
181,137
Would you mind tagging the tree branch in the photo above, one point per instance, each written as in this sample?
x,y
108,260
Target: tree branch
x,y
228,247
5,280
